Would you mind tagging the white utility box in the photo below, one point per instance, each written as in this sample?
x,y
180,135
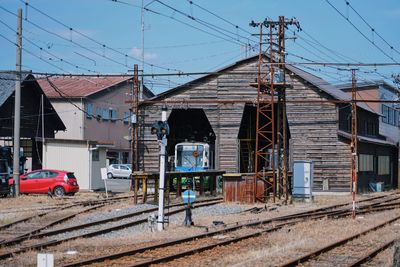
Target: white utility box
x,y
303,178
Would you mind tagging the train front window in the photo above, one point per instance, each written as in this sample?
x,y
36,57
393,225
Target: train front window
x,y
190,156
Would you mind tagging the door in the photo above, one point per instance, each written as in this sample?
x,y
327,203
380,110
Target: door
x,y
30,183
46,181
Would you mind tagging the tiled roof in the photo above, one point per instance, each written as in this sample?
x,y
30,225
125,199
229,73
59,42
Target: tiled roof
x,y
77,86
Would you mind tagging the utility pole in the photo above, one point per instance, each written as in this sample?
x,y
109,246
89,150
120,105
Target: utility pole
x,y
17,106
353,143
142,29
134,128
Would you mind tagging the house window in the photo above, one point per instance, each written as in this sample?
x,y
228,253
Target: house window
x,y
99,113
106,114
89,110
390,115
113,114
95,155
126,117
383,165
398,119
366,163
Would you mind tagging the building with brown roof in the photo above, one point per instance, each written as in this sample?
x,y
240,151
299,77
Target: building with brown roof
x,y
94,108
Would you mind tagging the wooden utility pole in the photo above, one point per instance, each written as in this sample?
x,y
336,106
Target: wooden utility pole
x,y
17,107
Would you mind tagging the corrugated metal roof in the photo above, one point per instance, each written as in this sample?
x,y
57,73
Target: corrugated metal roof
x,y
368,84
78,86
7,85
367,139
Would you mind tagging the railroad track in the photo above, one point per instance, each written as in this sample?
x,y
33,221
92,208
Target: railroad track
x,y
64,207
350,251
35,241
166,251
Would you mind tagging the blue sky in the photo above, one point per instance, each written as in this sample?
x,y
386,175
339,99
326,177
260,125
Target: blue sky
x,y
174,45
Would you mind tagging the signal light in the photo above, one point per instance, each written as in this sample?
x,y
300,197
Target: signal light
x,y
160,128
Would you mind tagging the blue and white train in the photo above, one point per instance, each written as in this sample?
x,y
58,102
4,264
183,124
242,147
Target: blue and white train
x,y
193,156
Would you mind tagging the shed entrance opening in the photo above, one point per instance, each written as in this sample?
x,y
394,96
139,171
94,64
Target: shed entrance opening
x,y
189,125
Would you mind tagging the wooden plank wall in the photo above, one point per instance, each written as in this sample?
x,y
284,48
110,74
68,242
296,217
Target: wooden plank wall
x,y
313,128
225,119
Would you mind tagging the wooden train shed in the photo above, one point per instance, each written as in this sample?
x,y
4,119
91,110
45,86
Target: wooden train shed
x,y
220,109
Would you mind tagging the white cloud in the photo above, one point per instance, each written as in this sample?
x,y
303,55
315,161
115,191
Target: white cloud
x,y
137,52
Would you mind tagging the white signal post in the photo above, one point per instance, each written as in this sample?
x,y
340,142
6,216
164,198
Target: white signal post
x,y
161,189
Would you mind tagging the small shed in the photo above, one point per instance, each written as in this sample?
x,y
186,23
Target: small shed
x,y
84,158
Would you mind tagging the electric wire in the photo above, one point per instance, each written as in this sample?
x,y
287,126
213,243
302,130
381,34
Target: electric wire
x,y
33,54
207,24
49,53
359,31
180,21
219,17
103,45
372,28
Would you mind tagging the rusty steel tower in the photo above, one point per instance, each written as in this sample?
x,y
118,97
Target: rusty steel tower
x,y
271,155
353,144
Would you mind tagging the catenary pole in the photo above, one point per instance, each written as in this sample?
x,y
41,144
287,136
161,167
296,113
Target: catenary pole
x,y
17,107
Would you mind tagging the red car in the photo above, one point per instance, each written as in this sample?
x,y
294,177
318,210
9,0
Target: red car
x,y
41,181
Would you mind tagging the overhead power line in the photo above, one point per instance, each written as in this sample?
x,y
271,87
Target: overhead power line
x,y
47,52
102,45
33,54
218,29
373,30
359,31
219,17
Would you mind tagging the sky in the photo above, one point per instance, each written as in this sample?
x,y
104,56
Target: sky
x,y
196,36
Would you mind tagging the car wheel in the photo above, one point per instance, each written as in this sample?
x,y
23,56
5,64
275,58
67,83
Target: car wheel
x,y
59,191
109,175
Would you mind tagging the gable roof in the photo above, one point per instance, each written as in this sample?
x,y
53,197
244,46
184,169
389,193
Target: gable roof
x,y
7,85
7,89
80,86
314,80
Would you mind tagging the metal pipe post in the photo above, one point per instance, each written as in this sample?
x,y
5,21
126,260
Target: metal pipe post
x,y
161,189
17,107
353,142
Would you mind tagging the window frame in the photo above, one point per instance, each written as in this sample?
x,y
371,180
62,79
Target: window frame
x,y
89,110
384,165
366,163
